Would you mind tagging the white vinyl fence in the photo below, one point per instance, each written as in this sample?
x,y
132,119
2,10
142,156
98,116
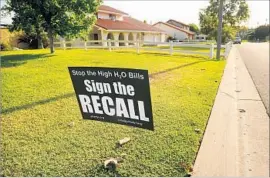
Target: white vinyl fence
x,y
170,47
199,41
228,48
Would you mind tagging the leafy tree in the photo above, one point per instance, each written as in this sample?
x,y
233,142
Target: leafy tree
x,y
243,32
251,34
194,28
262,32
59,17
234,13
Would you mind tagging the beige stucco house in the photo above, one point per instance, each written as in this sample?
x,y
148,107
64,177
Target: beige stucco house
x,y
117,25
176,29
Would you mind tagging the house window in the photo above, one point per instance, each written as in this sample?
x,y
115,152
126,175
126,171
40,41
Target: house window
x,y
112,17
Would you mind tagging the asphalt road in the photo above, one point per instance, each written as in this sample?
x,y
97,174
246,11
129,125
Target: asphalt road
x,y
256,59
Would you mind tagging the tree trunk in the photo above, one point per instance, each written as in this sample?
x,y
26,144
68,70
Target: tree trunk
x,y
40,43
219,33
39,39
51,40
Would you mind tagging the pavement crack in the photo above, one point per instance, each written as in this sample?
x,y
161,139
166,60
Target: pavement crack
x,y
228,94
249,99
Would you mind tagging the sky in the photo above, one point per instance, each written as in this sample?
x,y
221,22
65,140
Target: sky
x,y
184,11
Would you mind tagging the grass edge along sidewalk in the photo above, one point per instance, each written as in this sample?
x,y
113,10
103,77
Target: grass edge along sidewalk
x,y
44,135
238,128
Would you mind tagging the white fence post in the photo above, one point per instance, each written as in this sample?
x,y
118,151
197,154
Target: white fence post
x,y
227,49
85,45
138,46
110,44
171,47
64,44
73,44
212,47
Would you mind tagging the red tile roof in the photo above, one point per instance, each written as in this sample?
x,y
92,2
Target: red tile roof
x,y
110,9
128,23
177,28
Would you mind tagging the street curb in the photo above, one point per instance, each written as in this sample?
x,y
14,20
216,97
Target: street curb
x,y
236,139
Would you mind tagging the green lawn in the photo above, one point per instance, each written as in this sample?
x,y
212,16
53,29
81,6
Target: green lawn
x,y
38,105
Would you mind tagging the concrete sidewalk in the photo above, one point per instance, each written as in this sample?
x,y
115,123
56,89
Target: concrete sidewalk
x,y
236,140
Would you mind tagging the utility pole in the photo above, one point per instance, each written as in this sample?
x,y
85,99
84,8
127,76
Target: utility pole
x,y
219,34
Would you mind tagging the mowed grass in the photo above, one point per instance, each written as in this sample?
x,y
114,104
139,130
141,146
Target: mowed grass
x,y
39,105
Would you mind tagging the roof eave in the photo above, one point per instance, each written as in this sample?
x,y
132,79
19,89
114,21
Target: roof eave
x,y
111,12
103,28
179,22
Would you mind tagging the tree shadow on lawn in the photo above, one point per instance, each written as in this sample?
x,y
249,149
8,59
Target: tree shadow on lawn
x,y
30,105
20,59
153,75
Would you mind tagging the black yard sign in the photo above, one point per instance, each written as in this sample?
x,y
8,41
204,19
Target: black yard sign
x,y
113,95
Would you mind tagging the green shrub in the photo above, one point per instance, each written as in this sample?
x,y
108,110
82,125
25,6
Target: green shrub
x,y
170,38
4,46
31,40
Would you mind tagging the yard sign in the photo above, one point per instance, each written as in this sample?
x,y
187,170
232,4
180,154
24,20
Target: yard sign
x,y
113,95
